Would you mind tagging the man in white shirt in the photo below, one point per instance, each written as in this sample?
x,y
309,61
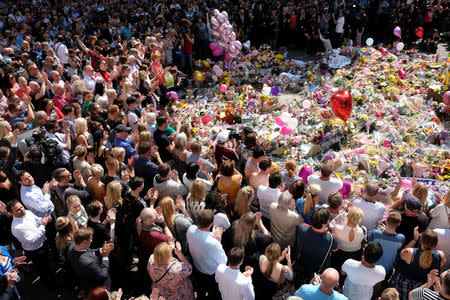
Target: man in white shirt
x,y
232,283
283,220
63,140
35,199
207,252
327,183
364,278
29,230
61,50
373,211
268,195
89,79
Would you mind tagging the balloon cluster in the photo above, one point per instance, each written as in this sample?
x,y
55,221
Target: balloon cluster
x,y
286,122
226,37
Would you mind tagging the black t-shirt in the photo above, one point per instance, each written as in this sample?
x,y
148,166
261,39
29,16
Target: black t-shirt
x,y
162,141
409,223
101,234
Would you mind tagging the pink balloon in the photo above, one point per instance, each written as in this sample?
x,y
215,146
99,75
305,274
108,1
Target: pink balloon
x,y
232,36
384,51
217,53
227,58
214,23
286,130
222,44
213,46
223,88
306,104
402,74
238,45
397,31
217,70
225,14
446,98
279,122
219,73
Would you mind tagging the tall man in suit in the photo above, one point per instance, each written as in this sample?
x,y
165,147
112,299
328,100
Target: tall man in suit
x,y
90,270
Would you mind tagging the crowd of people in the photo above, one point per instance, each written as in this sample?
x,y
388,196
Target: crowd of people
x,y
100,180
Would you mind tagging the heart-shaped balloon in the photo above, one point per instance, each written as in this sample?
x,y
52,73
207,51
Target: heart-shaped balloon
x,y
342,104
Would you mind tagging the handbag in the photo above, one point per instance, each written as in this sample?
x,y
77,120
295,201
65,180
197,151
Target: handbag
x,y
286,289
323,261
5,183
165,273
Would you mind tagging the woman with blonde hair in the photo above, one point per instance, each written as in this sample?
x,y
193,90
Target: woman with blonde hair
x,y
350,235
83,136
119,154
5,133
416,263
170,275
243,199
306,206
248,232
80,163
65,229
95,185
77,90
177,222
113,197
76,211
195,200
440,214
290,175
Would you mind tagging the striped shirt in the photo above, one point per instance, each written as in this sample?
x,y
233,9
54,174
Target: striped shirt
x,y
426,294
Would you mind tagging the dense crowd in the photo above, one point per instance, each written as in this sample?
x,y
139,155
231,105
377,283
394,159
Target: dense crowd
x,y
100,180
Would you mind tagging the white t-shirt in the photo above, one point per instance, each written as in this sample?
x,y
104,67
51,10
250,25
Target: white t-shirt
x,y
439,216
373,212
133,119
233,284
361,280
61,52
444,244
340,25
328,187
266,196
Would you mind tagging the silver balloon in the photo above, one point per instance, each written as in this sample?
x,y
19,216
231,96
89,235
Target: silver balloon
x,y
238,45
215,12
232,36
214,23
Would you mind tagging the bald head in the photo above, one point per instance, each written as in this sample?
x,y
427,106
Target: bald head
x,y
330,278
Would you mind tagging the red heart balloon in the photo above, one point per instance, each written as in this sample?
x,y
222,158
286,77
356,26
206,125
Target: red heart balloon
x,y
206,119
419,32
342,104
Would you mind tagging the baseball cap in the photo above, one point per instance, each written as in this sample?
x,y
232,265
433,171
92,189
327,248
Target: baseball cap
x,y
122,128
132,99
222,137
413,203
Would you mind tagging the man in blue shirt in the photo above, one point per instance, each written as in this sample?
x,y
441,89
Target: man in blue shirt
x,y
144,167
390,241
325,291
122,140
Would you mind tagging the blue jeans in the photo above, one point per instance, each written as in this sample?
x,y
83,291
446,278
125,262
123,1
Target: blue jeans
x,y
186,63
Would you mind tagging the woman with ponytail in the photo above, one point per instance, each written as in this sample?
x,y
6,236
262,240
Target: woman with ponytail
x,y
306,206
273,273
416,263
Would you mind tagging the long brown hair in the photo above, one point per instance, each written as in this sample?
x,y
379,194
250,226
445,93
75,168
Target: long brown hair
x,y
243,200
429,242
273,253
168,211
243,230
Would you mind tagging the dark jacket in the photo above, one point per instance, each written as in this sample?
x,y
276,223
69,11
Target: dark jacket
x,y
90,270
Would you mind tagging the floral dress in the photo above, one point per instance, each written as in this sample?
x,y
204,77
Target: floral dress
x,y
175,285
